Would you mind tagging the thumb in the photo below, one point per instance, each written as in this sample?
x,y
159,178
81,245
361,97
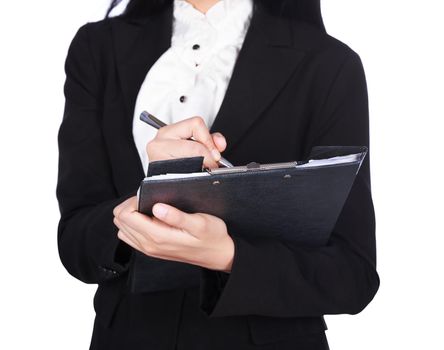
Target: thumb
x,y
220,141
177,218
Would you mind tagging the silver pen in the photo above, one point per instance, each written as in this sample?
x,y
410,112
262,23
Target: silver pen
x,y
156,123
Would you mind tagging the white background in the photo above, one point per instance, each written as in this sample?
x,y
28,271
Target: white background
x,y
401,45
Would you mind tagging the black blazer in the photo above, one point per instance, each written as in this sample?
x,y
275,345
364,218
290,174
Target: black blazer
x,y
293,87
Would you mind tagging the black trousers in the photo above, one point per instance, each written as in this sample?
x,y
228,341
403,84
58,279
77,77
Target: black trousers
x,y
195,331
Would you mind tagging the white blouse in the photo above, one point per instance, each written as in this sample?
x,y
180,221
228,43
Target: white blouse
x,y
191,77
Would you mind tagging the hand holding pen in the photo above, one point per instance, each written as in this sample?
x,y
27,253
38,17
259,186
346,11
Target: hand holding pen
x,y
187,138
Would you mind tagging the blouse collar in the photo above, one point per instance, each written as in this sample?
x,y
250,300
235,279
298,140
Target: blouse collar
x,y
217,14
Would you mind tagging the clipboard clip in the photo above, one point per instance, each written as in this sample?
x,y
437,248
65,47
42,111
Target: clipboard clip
x,y
253,166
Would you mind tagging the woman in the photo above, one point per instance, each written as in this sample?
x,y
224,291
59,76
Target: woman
x,y
257,80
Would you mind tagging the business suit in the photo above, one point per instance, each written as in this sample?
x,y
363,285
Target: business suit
x,y
293,87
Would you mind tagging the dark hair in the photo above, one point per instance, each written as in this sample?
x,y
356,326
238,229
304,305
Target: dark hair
x,y
304,10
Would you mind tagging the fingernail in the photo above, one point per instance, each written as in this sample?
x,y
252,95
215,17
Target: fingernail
x,y
160,210
216,154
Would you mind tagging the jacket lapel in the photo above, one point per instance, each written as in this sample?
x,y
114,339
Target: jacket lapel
x,y
265,63
137,46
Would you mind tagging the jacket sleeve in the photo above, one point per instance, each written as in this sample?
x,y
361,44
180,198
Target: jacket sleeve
x,y
87,238
279,279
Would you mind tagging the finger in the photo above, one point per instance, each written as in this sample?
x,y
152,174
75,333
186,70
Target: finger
x,y
125,237
195,128
128,227
158,239
130,205
118,209
220,141
124,228
144,229
202,135
128,210
194,224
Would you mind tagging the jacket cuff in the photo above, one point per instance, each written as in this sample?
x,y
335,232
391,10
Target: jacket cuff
x,y
221,292
116,256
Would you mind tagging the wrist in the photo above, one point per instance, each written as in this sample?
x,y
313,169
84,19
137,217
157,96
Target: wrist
x,y
224,259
